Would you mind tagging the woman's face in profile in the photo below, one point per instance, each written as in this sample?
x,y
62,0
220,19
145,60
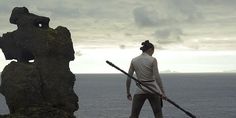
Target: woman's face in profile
x,y
151,51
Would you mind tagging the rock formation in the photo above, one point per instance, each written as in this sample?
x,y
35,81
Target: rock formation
x,y
39,83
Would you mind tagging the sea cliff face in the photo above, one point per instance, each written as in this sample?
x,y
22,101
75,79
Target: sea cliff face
x,y
39,84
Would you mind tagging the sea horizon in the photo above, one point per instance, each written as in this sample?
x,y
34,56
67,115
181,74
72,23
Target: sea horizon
x,y
206,95
167,73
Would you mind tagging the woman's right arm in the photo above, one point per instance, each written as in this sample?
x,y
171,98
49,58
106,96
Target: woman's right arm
x,y
128,81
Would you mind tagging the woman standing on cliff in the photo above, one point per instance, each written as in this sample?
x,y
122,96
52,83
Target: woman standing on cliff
x,y
145,67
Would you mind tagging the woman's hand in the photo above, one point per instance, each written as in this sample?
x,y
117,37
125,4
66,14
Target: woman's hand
x,y
163,96
129,97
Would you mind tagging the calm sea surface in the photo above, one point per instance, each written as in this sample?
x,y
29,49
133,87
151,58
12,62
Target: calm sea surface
x,y
205,95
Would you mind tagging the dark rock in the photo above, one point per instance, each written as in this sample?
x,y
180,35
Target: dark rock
x,y
21,86
39,112
46,83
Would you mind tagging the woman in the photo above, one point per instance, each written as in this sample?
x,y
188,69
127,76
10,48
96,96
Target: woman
x,y
145,67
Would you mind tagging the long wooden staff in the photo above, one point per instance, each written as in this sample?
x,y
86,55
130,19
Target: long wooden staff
x,y
151,89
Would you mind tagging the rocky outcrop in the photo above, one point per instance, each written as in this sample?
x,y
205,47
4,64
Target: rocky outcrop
x,y
39,84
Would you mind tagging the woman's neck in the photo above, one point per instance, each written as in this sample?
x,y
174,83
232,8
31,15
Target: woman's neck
x,y
148,53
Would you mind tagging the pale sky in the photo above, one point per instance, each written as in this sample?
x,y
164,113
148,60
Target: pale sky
x,y
189,35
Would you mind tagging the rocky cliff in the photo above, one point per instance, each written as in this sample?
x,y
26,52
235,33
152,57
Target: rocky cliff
x,y
38,82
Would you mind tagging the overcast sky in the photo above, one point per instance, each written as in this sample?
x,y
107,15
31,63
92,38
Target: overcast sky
x,y
203,29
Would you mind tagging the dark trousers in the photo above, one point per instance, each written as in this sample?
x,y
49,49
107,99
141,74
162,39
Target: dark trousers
x,y
154,100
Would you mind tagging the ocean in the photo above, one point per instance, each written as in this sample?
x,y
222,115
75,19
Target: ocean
x,y
206,95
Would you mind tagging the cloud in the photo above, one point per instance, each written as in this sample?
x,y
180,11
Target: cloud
x,y
122,46
216,2
170,35
62,12
145,18
78,53
189,23
149,17
4,9
167,13
182,10
168,18
168,21
218,44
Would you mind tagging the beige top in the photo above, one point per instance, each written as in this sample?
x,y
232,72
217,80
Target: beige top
x,y
145,67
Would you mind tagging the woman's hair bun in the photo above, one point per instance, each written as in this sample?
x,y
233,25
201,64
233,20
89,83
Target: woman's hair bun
x,y
146,45
145,42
